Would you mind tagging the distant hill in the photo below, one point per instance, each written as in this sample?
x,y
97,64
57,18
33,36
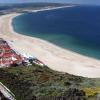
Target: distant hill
x,y
29,5
24,7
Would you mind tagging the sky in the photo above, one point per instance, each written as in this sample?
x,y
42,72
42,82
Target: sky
x,y
90,2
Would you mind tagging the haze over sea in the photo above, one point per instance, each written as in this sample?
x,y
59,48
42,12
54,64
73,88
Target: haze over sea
x,y
74,28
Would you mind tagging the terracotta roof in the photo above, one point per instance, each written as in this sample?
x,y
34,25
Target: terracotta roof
x,y
8,54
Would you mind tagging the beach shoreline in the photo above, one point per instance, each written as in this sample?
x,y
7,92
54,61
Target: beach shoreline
x,y
53,56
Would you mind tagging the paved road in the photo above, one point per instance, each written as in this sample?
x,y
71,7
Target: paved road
x,y
6,92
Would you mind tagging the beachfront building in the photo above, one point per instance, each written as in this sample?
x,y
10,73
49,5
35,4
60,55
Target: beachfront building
x,y
7,55
28,60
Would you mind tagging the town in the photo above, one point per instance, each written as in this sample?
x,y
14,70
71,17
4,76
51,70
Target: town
x,y
9,57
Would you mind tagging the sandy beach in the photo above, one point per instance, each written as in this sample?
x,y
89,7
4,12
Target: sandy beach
x,y
55,57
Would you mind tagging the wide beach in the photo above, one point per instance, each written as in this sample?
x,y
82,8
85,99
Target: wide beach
x,y
55,57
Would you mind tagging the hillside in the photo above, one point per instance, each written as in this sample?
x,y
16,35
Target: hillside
x,y
35,82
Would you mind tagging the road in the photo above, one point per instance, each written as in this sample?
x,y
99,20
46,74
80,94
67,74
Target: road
x,y
6,92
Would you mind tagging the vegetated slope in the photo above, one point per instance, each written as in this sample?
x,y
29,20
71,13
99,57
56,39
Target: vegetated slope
x,y
35,82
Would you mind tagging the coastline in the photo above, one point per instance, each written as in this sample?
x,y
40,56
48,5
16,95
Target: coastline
x,y
53,8
55,57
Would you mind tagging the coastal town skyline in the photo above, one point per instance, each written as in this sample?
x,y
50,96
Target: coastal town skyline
x,y
89,2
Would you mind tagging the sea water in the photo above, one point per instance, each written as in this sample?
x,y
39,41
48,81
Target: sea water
x,y
73,28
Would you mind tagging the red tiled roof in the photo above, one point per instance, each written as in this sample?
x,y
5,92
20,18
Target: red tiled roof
x,y
6,57
7,54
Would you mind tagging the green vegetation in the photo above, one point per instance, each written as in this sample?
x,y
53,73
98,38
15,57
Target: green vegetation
x,y
35,82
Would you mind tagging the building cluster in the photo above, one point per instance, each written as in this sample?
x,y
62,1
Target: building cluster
x,y
9,57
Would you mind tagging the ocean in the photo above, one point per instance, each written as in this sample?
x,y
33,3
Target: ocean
x,y
75,28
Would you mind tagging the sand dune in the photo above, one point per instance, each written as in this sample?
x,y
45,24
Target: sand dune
x,y
55,57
